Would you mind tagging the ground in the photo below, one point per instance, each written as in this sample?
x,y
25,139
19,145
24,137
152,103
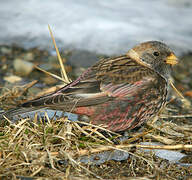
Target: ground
x,y
35,148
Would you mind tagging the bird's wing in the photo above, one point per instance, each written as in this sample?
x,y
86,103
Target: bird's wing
x,y
108,79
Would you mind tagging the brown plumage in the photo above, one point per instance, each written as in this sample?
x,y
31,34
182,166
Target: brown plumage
x,y
119,93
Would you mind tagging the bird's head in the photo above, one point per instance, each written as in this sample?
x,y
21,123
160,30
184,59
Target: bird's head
x,y
155,55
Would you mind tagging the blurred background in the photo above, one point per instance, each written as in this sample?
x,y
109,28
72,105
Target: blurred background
x,y
101,26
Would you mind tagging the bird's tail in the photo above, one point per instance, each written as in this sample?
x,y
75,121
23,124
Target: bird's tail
x,y
36,104
12,113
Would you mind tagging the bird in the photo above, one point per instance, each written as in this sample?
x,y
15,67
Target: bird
x,y
118,93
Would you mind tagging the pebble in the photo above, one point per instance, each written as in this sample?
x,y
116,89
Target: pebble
x,y
170,155
28,56
22,67
5,50
12,79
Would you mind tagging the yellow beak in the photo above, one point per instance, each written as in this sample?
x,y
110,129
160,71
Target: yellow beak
x,y
172,59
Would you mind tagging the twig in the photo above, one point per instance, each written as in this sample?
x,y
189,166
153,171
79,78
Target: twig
x,y
107,148
178,93
176,116
99,127
50,74
59,57
74,162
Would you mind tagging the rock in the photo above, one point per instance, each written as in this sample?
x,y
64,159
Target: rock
x,y
102,157
28,56
12,79
170,155
23,67
5,50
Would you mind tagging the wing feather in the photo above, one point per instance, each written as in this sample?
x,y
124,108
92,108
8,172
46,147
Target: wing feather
x,y
108,79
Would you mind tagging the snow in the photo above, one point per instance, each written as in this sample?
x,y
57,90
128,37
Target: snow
x,y
102,26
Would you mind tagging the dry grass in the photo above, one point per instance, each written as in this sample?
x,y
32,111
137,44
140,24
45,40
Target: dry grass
x,y
34,149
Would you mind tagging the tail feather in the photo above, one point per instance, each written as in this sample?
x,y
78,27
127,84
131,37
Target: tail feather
x,y
17,111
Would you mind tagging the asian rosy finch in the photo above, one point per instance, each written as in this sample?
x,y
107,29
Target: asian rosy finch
x,y
119,93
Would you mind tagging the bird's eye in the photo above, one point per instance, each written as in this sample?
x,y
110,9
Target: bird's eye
x,y
156,53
